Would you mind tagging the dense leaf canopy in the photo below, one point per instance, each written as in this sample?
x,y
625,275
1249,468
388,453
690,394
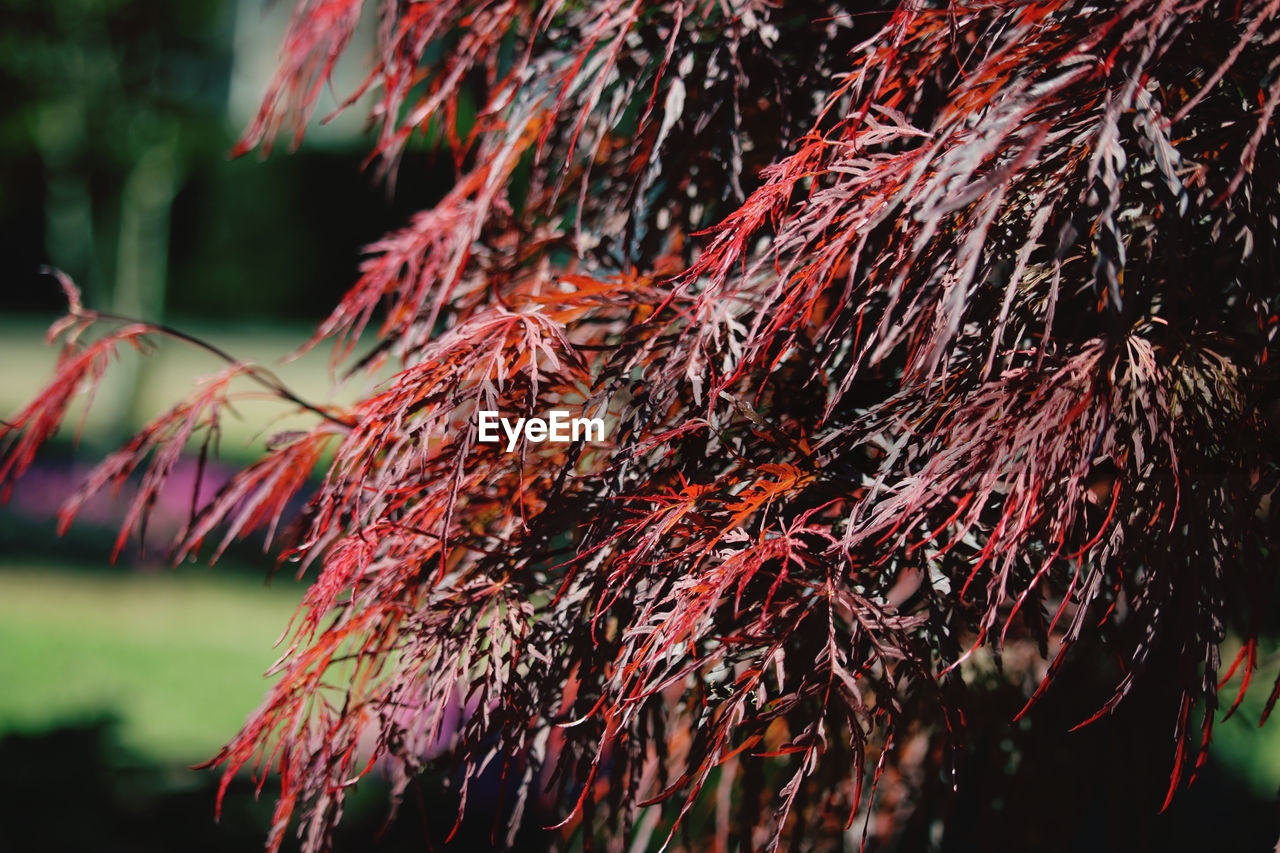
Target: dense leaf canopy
x,y
929,335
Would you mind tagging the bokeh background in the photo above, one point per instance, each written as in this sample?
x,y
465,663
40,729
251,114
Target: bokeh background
x,y
116,121
115,678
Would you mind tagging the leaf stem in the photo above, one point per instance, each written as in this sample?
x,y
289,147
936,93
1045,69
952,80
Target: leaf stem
x,y
263,376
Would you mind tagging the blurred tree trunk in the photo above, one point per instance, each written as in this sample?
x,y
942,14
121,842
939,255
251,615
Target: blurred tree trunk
x,y
142,261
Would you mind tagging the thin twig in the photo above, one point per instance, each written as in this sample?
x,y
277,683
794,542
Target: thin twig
x,y
257,373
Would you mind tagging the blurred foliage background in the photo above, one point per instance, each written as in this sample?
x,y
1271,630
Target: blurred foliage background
x,y
114,135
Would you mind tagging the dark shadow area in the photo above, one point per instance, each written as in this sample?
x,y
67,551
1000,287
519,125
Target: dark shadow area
x,y
1037,784
1098,789
72,788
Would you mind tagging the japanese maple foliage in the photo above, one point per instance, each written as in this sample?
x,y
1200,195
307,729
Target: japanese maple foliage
x,y
924,331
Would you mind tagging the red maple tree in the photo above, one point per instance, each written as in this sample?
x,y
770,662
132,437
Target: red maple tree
x,y
927,333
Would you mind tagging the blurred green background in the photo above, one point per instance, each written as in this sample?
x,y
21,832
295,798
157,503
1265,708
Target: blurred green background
x,y
114,679
117,121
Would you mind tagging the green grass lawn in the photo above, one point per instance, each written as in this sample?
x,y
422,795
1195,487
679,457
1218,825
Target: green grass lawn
x,y
1251,752
179,656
